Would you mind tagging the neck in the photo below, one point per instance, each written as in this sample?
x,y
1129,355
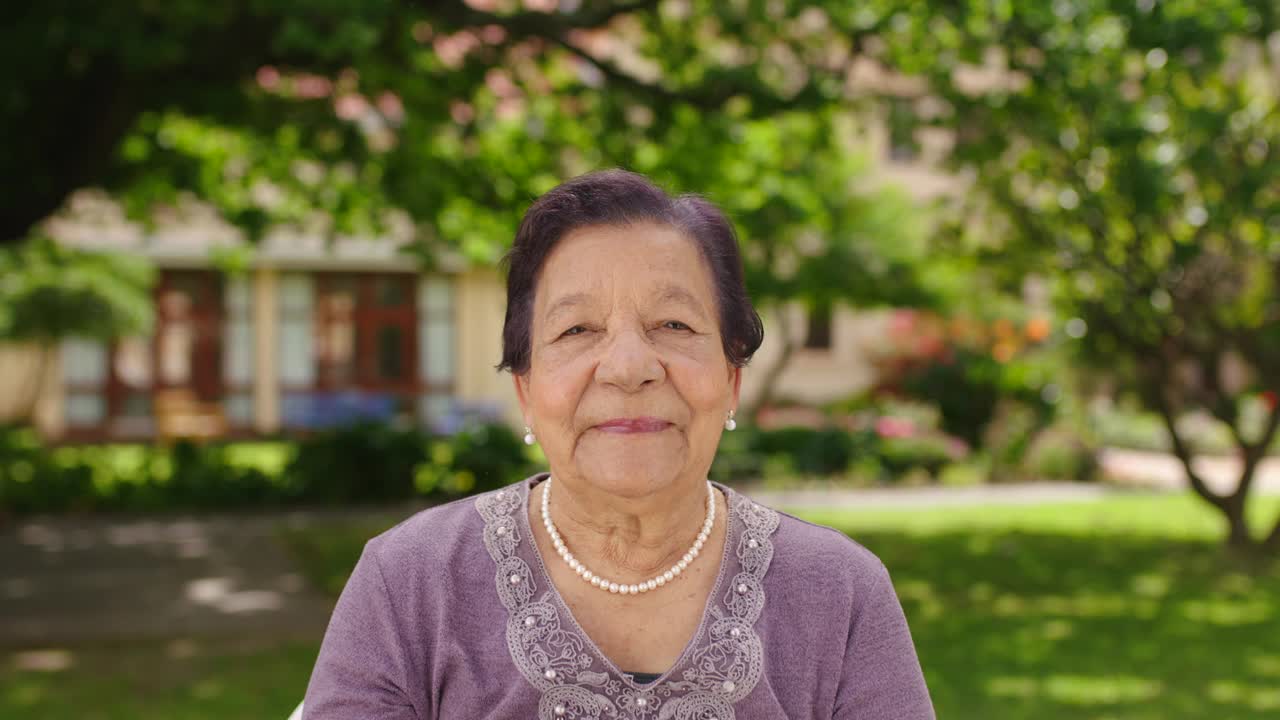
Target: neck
x,y
630,538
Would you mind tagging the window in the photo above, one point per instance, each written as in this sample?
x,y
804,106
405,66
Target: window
x,y
436,345
296,365
131,386
84,374
818,336
349,346
237,353
390,353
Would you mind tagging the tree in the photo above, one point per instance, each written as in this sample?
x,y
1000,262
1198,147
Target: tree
x,y
1129,151
50,293
456,114
275,108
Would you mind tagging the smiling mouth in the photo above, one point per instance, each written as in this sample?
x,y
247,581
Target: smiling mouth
x,y
633,425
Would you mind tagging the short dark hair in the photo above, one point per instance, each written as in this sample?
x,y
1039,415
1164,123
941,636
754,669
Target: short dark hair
x,y
619,198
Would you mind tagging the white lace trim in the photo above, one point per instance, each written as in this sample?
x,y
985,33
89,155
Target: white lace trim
x,y
722,667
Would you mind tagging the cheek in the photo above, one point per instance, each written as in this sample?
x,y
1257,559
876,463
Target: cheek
x,y
701,362
559,383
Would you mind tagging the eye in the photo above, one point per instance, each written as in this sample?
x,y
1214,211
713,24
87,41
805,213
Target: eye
x,y
570,331
679,325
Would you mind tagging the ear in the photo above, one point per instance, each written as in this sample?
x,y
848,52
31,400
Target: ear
x,y
522,394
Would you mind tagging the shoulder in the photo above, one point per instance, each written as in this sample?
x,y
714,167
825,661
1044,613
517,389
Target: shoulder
x,y
823,559
433,540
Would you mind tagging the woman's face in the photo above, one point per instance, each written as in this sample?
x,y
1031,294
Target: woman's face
x,y
625,328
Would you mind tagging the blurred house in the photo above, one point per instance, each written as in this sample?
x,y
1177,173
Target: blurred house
x,y
309,333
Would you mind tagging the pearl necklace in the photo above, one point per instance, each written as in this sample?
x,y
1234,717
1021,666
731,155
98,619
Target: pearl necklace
x,y
623,588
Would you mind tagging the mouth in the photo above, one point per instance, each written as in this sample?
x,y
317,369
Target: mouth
x,y
633,425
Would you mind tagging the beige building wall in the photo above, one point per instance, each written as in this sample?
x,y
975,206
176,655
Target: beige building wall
x,y
816,375
266,376
480,301
21,368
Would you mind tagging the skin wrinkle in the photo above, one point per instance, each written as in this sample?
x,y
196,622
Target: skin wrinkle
x,y
628,505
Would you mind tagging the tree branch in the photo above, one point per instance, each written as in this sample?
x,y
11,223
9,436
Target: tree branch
x,y
1180,448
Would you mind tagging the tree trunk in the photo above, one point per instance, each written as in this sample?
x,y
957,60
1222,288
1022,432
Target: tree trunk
x,y
1272,543
1237,526
768,385
1231,506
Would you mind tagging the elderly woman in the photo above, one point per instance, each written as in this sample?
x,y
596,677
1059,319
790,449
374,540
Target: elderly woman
x,y
621,584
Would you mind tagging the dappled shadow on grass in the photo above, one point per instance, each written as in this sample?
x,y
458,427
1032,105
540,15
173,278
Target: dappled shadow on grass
x,y
1018,624
193,678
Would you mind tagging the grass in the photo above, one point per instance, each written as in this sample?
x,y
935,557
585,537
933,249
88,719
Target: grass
x,y
187,679
1125,608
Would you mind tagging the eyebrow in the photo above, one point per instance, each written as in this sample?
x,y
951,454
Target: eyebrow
x,y
666,293
677,294
565,303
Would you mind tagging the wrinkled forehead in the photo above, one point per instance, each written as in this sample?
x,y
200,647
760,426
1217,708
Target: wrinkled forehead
x,y
651,264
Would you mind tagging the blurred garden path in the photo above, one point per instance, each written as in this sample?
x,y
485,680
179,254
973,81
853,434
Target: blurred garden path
x,y
77,579
1126,471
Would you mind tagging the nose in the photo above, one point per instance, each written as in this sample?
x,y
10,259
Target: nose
x,y
627,361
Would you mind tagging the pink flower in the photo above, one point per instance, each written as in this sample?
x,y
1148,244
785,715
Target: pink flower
x,y
895,427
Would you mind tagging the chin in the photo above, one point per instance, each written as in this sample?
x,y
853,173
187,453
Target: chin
x,y
628,479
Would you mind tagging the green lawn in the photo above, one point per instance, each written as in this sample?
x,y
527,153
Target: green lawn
x,y
1118,609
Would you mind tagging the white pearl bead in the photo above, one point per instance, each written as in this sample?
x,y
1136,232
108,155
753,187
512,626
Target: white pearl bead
x,y
613,587
501,531
642,702
634,589
742,588
752,543
549,674
560,710
595,580
668,575
734,632
515,579
661,580
529,621
676,570
728,686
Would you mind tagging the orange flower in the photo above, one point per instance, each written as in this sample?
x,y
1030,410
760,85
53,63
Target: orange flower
x,y
1038,329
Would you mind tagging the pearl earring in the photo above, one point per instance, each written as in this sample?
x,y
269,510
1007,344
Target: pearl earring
x,y
730,424
528,436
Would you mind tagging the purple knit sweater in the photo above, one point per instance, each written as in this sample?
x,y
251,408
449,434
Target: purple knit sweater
x,y
451,614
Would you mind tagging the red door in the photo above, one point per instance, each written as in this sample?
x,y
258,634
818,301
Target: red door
x,y
188,335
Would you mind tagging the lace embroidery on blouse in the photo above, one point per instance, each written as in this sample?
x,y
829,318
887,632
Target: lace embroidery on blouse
x,y
725,661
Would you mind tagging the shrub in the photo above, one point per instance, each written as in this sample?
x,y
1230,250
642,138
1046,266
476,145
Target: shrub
x,y
826,451
202,477
1058,454
1009,436
738,457
363,462
928,451
478,458
31,483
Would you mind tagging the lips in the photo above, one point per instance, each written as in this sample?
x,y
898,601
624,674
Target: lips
x,y
634,425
